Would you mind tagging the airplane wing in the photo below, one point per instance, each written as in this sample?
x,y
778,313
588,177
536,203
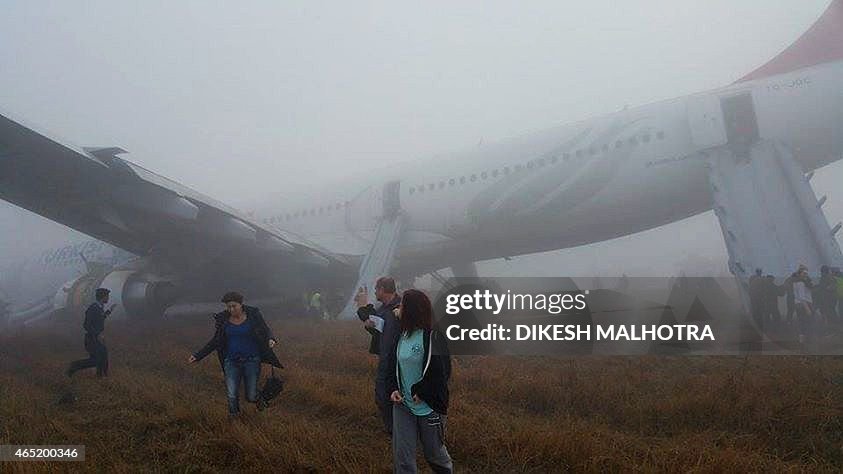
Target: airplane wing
x,y
94,191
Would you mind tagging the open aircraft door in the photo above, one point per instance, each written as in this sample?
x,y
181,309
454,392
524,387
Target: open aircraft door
x,y
705,118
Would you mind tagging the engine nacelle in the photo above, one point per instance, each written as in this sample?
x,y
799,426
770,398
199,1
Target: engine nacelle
x,y
135,294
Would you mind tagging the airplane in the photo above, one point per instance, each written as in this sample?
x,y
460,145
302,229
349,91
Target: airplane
x,y
601,178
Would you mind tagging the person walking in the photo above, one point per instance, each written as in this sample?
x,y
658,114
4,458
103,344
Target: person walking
x,y
789,298
243,341
94,325
803,302
420,369
827,288
756,297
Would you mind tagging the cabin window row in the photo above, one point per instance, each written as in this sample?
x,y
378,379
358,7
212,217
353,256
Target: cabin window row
x,y
484,175
553,159
306,212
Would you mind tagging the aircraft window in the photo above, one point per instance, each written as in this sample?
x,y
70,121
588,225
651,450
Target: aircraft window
x,y
431,186
632,141
606,148
506,170
554,159
462,179
313,212
484,175
339,206
646,138
618,144
660,135
519,167
441,184
347,203
529,165
412,190
452,182
495,173
296,214
473,178
321,210
592,151
566,156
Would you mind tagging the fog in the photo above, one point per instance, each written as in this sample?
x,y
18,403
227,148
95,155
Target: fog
x,y
258,99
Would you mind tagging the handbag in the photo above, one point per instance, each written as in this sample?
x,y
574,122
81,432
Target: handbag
x,y
273,386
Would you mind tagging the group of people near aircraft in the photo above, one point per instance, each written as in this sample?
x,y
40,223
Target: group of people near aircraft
x,y
807,302
411,383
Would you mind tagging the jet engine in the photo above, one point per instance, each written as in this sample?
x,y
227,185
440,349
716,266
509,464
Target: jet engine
x,y
136,294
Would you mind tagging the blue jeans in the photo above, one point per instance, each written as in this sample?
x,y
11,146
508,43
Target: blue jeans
x,y
246,368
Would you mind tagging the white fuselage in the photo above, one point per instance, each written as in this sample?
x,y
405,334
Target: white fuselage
x,y
574,184
570,185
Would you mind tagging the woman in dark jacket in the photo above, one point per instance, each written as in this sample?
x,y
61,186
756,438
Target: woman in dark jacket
x,y
420,368
243,341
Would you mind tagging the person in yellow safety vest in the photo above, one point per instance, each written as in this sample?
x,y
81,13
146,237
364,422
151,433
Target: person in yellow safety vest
x,y
316,305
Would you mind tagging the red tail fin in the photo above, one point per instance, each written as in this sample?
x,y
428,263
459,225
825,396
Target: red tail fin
x,y
822,43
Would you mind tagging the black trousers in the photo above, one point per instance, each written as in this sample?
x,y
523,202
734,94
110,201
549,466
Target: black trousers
x,y
98,357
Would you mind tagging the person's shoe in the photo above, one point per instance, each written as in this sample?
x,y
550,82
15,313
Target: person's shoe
x,y
261,404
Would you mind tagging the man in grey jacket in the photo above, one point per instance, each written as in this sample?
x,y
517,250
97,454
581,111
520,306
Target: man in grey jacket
x,y
383,325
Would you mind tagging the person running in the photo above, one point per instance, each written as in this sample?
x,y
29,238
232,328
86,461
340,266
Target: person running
x,y
94,325
420,368
243,341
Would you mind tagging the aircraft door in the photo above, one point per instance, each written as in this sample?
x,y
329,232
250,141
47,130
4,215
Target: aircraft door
x,y
705,118
391,199
740,121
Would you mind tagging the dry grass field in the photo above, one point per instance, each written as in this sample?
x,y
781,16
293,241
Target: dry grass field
x,y
509,414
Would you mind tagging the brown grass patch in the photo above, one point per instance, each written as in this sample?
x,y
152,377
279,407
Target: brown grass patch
x,y
156,413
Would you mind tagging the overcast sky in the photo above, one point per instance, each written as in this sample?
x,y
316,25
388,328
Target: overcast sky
x,y
275,95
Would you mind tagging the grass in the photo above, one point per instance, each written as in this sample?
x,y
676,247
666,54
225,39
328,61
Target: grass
x,y
155,413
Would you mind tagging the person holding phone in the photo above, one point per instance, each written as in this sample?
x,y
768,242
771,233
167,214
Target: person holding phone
x,y
243,341
420,369
94,326
383,326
